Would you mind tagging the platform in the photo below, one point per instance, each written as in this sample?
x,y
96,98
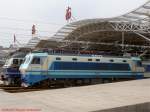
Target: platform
x,y
98,98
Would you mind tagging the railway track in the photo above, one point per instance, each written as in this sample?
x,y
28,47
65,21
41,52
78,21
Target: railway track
x,y
13,89
18,89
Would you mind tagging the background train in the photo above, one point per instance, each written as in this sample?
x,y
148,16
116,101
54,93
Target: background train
x,y
11,74
44,68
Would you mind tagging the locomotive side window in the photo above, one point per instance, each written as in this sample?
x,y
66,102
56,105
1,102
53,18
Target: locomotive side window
x,y
36,60
89,59
97,59
74,59
124,61
139,63
111,60
58,58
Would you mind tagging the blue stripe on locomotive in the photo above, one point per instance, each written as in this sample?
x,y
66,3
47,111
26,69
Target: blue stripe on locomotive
x,y
147,68
89,66
31,79
12,72
62,70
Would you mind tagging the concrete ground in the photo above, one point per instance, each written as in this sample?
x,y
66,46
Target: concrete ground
x,y
78,99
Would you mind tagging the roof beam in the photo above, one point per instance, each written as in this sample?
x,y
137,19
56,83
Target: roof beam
x,y
67,42
141,13
133,17
146,7
142,36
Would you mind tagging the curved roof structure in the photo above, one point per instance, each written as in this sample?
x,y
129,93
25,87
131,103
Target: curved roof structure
x,y
131,29
138,16
137,20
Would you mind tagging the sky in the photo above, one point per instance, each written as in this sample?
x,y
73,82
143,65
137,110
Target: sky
x,y
18,16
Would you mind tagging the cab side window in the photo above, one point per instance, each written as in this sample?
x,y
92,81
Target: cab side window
x,y
36,60
139,63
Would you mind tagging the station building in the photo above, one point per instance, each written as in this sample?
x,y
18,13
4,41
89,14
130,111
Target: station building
x,y
128,33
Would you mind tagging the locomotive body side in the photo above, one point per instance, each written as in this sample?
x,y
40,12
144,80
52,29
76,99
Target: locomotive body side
x,y
41,66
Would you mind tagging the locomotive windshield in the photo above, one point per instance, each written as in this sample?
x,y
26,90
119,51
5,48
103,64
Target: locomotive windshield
x,y
17,61
13,61
32,60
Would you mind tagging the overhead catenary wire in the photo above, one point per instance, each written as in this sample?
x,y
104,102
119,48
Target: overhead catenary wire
x,y
15,33
22,37
10,28
27,36
31,21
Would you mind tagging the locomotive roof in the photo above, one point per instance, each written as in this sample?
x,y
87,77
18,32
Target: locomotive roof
x,y
83,55
19,55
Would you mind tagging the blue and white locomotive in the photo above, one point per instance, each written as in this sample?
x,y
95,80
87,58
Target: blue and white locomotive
x,y
39,67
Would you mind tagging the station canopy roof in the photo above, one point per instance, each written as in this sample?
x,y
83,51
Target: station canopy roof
x,y
129,30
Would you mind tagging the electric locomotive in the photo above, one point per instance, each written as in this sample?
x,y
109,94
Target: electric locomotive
x,y
44,67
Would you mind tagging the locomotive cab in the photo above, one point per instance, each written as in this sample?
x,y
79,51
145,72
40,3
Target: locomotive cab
x,y
34,64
